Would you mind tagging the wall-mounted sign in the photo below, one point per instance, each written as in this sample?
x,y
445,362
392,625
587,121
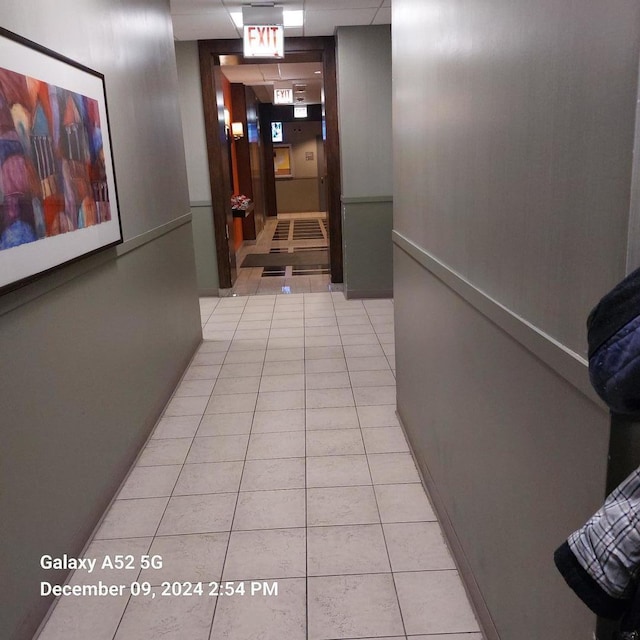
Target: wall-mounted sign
x,y
276,132
300,112
282,95
265,41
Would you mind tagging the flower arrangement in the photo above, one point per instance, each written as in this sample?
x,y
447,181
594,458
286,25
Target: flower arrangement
x,y
240,202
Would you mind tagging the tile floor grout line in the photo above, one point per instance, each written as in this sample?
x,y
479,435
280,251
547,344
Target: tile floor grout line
x,y
235,507
306,494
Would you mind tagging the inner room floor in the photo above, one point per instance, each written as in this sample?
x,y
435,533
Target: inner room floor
x,y
304,234
279,466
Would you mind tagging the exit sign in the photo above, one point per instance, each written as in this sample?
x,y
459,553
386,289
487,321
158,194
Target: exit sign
x,y
264,41
282,95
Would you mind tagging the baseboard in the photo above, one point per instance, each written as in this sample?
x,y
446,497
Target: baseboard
x,y
482,613
351,294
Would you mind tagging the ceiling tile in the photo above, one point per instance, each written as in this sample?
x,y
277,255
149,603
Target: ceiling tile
x,y
323,23
322,5
202,26
383,16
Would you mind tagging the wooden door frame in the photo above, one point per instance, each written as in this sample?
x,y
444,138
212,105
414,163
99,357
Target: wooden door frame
x,y
318,49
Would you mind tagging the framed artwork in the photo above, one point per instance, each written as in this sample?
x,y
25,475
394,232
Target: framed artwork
x,y
58,198
282,161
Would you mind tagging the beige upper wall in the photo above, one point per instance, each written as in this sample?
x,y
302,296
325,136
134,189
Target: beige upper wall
x,y
195,139
363,58
125,42
514,128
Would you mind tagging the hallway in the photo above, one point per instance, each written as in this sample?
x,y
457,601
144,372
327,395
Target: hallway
x,y
279,459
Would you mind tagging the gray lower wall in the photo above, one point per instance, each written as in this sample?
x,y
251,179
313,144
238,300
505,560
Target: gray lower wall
x,y
86,370
204,244
367,224
514,454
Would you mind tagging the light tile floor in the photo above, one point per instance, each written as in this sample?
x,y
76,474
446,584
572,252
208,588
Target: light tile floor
x,y
278,461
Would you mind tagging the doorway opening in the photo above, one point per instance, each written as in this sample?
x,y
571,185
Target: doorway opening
x,y
282,241
289,167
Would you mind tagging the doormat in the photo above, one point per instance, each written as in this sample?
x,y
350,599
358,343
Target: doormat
x,y
286,259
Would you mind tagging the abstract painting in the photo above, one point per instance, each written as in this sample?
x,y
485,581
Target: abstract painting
x,y
57,182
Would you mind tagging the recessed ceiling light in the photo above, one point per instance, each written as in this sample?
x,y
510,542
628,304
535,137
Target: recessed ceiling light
x,y
291,18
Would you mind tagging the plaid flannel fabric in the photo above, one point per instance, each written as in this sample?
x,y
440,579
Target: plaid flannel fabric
x,y
608,545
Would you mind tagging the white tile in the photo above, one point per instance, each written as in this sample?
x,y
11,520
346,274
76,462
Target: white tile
x,y
241,370
232,403
208,359
176,427
230,386
344,550
404,503
194,388
279,420
225,424
282,355
356,329
244,357
322,341
353,607
374,396
264,446
186,406
334,442
283,367
385,440
323,353
263,617
110,575
375,363
382,378
378,416
209,477
327,380
198,514
434,602
288,332
260,555
264,475
392,468
210,372
164,452
187,558
417,546
288,382
332,418
337,471
270,510
341,506
218,449
170,618
325,398
359,339
325,365
137,518
79,618
363,351
278,400
285,343
150,482
321,331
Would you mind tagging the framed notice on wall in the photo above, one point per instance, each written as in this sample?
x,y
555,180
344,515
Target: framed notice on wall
x,y
282,161
57,182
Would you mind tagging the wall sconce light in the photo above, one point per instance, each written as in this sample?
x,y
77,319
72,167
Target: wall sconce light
x,y
237,130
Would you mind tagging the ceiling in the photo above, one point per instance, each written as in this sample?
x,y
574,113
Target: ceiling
x,y
211,19
305,78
